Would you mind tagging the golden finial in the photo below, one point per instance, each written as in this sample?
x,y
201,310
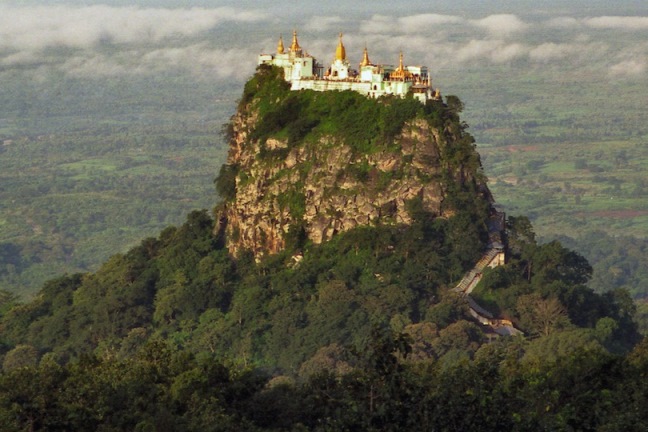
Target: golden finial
x,y
294,47
280,45
340,52
365,58
401,73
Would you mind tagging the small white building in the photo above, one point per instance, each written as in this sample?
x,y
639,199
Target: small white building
x,y
372,80
295,63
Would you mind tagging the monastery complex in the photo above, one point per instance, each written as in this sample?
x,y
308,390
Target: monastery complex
x,y
303,71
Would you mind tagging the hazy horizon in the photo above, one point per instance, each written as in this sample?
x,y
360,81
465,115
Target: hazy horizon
x,y
95,39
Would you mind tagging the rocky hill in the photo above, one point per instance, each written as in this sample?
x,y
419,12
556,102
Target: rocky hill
x,y
385,203
307,165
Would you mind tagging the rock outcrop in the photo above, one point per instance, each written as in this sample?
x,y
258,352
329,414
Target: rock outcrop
x,y
289,190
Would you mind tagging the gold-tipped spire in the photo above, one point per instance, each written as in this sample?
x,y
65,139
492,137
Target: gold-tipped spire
x,y
280,45
294,47
340,52
400,73
365,58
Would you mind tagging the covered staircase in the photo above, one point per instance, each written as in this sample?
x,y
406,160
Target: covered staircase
x,y
494,256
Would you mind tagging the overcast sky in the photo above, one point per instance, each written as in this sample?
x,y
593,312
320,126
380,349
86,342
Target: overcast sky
x,y
222,38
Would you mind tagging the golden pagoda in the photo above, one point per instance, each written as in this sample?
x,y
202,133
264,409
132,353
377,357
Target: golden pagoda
x,y
400,73
280,46
294,47
340,51
365,58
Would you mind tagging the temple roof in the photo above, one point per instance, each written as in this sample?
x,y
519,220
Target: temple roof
x,y
400,72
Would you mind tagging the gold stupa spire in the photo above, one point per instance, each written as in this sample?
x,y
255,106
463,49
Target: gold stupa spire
x,y
340,52
294,47
280,46
400,73
365,58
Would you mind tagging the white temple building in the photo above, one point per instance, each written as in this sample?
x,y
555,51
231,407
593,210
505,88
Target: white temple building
x,y
373,80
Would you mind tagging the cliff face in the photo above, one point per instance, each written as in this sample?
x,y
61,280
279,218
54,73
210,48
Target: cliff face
x,y
329,177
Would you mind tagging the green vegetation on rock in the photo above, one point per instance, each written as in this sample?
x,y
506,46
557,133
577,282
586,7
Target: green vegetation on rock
x,y
362,123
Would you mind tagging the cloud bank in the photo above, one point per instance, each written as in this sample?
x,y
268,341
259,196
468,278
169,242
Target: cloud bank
x,y
503,24
618,22
381,24
142,39
223,42
82,27
565,42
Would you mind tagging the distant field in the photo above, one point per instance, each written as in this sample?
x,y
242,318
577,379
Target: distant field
x,y
569,188
568,148
75,190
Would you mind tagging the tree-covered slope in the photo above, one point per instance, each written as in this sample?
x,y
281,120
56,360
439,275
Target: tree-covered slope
x,y
285,316
185,286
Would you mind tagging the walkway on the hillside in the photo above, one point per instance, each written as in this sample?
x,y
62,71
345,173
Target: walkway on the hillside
x,y
491,258
472,278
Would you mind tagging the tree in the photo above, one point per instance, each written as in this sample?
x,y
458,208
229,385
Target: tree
x,y
226,182
19,357
455,105
540,316
331,358
7,301
29,398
